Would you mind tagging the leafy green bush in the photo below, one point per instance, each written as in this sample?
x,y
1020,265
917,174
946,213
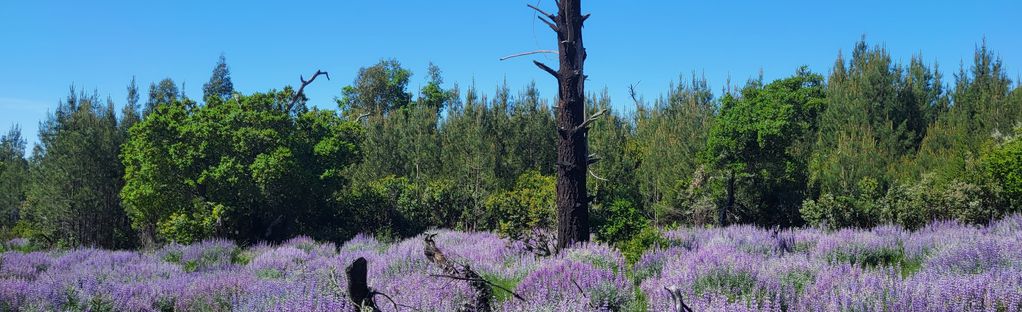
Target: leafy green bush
x,y
618,222
530,205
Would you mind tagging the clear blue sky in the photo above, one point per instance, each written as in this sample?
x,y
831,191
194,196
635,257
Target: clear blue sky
x,y
45,46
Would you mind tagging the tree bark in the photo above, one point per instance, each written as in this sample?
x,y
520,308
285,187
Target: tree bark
x,y
572,148
358,288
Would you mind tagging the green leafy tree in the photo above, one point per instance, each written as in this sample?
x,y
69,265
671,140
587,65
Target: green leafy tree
x,y
761,139
377,89
251,170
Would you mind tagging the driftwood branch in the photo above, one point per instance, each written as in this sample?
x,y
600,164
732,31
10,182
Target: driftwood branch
x,y
547,69
301,89
528,53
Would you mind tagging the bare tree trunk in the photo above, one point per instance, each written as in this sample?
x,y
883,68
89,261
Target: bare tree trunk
x,y
572,124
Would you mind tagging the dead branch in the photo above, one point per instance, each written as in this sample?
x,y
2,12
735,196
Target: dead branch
x,y
547,69
549,23
528,53
590,120
633,94
361,116
592,158
551,16
301,89
678,303
597,177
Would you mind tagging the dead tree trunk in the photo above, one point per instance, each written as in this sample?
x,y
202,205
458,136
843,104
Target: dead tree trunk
x,y
358,288
572,125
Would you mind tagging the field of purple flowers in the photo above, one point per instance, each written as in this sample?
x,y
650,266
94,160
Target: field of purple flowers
x,y
943,267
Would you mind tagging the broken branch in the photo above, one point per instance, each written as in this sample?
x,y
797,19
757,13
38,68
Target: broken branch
x,y
591,119
549,70
528,53
301,89
551,16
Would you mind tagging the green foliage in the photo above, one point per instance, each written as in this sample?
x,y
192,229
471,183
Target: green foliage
x,y
252,168
529,206
762,138
1003,164
13,177
649,237
377,90
219,84
618,222
71,195
667,135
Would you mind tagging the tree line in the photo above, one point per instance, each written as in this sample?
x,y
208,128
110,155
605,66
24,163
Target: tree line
x,y
873,141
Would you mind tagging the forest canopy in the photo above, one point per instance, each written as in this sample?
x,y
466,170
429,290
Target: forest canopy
x,y
872,141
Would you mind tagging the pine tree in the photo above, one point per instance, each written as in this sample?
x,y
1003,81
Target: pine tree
x,y
219,84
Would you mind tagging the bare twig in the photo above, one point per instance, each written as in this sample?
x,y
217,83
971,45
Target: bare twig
x,y
528,53
597,177
592,158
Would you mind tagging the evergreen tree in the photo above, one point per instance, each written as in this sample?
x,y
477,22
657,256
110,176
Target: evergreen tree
x,y
72,198
13,177
219,84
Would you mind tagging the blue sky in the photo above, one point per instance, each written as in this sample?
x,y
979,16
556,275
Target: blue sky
x,y
45,46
